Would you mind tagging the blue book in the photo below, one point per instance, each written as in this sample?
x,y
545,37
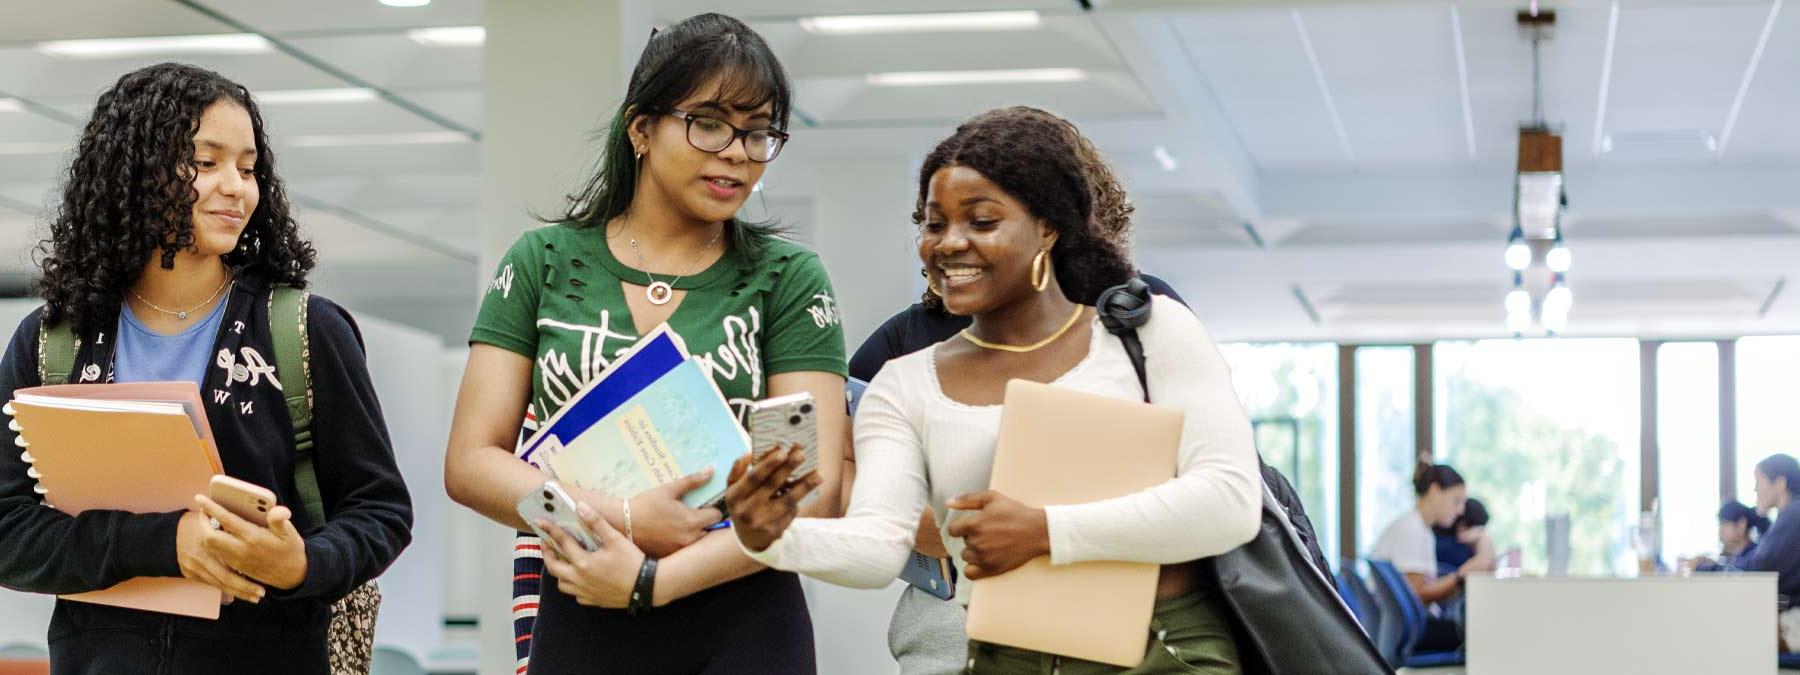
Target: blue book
x,y
648,421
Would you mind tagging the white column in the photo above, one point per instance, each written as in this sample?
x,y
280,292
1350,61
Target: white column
x,y
552,71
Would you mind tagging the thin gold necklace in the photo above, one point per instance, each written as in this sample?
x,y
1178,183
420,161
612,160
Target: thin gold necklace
x,y
1030,347
182,314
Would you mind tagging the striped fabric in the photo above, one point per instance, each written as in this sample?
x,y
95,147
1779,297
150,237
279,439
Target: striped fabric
x,y
528,573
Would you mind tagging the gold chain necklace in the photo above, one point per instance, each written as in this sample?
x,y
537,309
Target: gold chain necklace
x,y
182,314
660,292
1030,347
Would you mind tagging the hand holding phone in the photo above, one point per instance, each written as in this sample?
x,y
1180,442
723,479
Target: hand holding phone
x,y
243,499
790,421
550,502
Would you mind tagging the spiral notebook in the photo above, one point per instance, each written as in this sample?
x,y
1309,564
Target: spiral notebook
x,y
141,447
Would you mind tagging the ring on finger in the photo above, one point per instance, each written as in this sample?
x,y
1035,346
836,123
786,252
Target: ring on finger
x,y
215,524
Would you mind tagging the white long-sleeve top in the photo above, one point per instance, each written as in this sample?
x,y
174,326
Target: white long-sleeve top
x,y
915,447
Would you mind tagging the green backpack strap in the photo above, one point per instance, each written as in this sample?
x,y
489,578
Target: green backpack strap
x,y
57,346
287,325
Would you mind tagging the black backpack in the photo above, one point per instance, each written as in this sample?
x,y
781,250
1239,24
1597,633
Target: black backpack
x,y
1289,619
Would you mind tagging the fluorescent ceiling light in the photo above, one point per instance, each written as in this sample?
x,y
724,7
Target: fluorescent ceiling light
x,y
406,3
30,148
110,48
339,140
450,36
1164,158
11,105
944,77
865,24
299,96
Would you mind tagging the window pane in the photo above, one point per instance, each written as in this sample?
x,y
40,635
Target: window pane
x,y
1687,440
1384,439
1290,393
1541,428
1767,368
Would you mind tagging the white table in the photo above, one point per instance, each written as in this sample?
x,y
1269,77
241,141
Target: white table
x,y
1677,625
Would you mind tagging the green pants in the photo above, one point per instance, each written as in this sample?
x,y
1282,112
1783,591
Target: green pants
x,y
1189,635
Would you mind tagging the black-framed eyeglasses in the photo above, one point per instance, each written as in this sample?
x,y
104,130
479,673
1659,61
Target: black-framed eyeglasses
x,y
711,134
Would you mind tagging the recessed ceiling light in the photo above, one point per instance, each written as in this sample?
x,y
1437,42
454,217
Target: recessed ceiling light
x,y
450,36
406,3
340,140
11,105
31,148
111,48
864,24
944,77
299,96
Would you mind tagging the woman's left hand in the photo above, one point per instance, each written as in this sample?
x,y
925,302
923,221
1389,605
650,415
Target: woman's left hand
x,y
274,555
999,534
602,578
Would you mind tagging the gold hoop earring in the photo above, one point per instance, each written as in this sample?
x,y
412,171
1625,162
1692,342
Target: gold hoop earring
x,y
1041,270
924,272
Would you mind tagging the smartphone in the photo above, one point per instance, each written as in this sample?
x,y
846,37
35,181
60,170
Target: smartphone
x,y
932,575
245,500
551,502
786,421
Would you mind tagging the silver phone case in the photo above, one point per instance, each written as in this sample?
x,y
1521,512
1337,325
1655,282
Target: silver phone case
x,y
551,502
783,421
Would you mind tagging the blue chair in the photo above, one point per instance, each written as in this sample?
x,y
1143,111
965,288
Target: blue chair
x,y
394,661
24,651
1789,661
1355,591
1409,613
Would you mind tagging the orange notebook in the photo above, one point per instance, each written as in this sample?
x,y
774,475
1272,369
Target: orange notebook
x,y
1060,446
142,447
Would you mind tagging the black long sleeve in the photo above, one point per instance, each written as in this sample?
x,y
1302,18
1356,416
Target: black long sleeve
x,y
43,550
368,510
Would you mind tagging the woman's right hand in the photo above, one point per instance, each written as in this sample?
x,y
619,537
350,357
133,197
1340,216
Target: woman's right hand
x,y
762,501
201,565
661,523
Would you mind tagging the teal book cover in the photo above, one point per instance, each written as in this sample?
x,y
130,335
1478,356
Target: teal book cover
x,y
676,426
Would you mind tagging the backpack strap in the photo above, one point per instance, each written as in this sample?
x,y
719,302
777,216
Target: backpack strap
x,y
1123,309
57,346
287,326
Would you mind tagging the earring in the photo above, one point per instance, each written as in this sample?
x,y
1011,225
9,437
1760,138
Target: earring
x,y
924,272
1041,270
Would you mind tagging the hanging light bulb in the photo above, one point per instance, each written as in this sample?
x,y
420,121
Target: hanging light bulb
x,y
1518,322
1558,259
1556,306
1518,254
1518,302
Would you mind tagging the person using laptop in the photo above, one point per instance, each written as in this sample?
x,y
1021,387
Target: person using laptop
x,y
1777,482
1008,237
653,238
171,235
926,635
1408,544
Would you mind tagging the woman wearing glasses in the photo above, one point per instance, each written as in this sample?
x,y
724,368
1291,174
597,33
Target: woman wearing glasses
x,y
650,239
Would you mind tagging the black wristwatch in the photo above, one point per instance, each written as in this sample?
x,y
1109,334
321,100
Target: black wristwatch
x,y
643,595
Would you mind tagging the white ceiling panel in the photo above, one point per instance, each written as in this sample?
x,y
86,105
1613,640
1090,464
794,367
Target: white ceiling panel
x,y
1766,126
1255,63
391,60
34,20
1677,69
337,16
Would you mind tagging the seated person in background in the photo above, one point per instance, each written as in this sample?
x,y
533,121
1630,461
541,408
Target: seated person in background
x,y
1465,540
1777,481
1739,527
1409,545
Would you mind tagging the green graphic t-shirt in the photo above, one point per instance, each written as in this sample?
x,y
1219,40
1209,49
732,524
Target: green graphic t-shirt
x,y
556,299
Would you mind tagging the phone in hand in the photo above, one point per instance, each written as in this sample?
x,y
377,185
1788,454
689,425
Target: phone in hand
x,y
244,499
552,503
786,421
932,575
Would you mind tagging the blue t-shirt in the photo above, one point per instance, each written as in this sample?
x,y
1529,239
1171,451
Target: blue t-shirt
x,y
144,355
1451,554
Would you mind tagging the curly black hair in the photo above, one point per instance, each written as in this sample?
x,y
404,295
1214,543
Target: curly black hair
x,y
1030,155
129,195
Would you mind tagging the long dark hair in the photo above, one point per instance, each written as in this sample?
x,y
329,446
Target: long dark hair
x,y
678,61
1440,475
1732,512
129,195
1781,465
1028,154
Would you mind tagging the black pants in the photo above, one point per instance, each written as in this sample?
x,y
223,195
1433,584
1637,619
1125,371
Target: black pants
x,y
1441,635
758,624
275,637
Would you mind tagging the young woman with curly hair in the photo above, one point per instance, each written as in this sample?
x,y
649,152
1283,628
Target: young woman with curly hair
x,y
1008,238
925,635
172,233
